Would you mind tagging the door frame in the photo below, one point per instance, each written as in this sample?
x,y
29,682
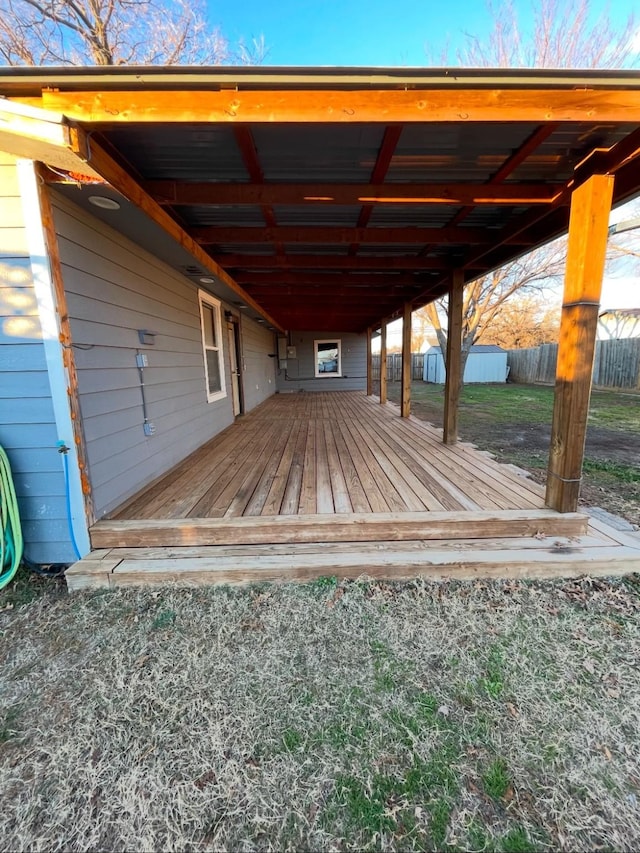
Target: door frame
x,y
235,341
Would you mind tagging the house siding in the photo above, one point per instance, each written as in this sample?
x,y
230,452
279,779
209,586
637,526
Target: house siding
x,y
28,429
114,288
299,373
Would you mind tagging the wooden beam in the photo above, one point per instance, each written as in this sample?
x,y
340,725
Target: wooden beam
x,y
369,364
539,224
322,529
453,381
387,279
210,192
533,105
383,362
104,164
216,235
586,251
405,402
34,134
331,262
610,160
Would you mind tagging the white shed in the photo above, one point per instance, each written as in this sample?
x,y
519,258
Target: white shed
x,y
486,363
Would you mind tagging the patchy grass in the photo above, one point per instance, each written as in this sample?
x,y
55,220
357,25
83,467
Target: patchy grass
x,y
459,716
509,402
614,470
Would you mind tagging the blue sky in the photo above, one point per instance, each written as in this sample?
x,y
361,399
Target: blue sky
x,y
366,32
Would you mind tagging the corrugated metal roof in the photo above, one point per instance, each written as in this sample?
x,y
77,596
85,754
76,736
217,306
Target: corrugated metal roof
x,y
336,161
331,152
454,152
317,215
201,215
213,154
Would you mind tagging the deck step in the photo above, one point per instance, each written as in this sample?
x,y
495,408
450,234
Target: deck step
x,y
347,527
600,552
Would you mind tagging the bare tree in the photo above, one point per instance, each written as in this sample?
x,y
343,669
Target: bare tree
x,y
116,32
525,320
486,297
561,34
422,330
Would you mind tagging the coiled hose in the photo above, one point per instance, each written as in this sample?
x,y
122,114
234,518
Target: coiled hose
x,y
11,542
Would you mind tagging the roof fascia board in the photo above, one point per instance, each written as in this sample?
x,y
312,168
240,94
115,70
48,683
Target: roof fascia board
x,y
405,106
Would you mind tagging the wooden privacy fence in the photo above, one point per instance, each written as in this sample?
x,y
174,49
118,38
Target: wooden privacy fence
x,y
617,364
394,366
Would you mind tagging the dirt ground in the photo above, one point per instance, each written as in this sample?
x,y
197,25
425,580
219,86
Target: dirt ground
x,y
606,445
514,423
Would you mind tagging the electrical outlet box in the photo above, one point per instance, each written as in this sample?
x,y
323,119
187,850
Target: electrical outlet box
x,y
142,360
149,428
292,352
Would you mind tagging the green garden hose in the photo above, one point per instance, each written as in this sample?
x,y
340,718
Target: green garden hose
x,y
11,542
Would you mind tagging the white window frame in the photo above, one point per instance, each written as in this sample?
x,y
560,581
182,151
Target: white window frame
x,y
210,301
318,373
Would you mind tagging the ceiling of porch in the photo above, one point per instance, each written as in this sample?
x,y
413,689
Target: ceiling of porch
x,y
330,222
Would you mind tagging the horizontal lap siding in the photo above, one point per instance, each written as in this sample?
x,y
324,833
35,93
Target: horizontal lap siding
x,y
113,289
299,375
27,423
258,368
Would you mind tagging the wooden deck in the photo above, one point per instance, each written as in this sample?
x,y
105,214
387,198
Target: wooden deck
x,y
601,550
340,452
336,484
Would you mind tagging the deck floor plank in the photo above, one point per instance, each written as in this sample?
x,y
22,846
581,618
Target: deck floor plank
x,y
220,497
330,453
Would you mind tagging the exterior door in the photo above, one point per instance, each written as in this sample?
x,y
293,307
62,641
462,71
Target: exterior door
x,y
232,332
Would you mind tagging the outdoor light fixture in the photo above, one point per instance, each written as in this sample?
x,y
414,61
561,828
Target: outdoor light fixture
x,y
104,202
207,280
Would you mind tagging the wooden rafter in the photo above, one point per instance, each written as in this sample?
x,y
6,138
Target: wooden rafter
x,y
387,149
249,152
329,262
535,226
509,166
533,105
216,235
177,193
305,278
611,160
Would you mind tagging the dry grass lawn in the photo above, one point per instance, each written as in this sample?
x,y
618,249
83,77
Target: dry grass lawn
x,y
455,716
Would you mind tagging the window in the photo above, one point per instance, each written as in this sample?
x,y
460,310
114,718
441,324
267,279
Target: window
x,y
212,346
327,357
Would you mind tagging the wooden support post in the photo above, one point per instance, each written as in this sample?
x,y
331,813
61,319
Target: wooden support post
x,y
586,251
383,362
369,365
405,405
453,381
